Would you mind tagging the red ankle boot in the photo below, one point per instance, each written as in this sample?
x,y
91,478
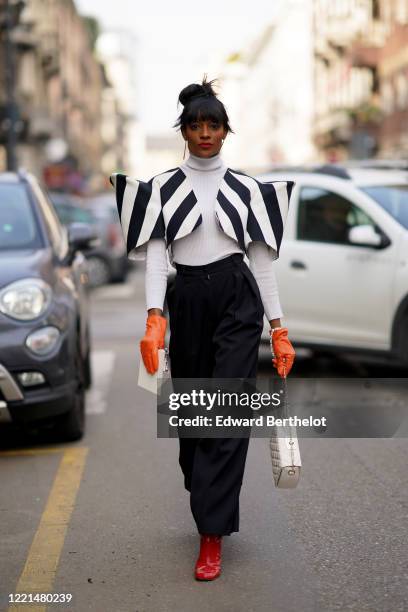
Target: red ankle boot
x,y
208,565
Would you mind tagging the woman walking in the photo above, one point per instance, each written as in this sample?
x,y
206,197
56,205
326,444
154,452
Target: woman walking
x,y
208,217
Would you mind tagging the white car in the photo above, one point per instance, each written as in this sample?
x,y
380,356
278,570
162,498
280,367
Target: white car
x,y
343,267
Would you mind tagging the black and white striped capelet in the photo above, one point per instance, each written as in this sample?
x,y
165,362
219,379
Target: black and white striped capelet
x,y
166,207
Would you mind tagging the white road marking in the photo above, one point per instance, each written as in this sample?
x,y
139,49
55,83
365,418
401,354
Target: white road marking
x,y
102,368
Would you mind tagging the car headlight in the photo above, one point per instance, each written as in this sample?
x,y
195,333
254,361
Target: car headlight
x,y
43,340
25,299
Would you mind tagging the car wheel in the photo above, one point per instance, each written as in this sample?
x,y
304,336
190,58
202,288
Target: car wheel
x,y
120,278
98,272
70,426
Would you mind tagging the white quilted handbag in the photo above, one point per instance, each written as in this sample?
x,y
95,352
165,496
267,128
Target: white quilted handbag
x,y
284,448
153,382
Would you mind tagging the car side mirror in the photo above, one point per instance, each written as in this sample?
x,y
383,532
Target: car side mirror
x,y
365,235
82,236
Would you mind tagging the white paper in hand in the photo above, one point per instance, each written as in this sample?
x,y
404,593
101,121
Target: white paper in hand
x,y
149,381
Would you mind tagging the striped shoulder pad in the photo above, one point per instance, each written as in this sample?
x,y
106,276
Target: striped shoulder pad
x,y
254,210
140,212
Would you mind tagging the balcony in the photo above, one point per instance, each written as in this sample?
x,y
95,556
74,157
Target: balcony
x,y
332,119
23,38
366,48
363,56
340,32
50,54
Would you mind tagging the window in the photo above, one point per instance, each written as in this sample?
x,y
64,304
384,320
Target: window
x,y
387,97
393,198
18,226
80,215
325,216
402,91
375,9
72,214
64,213
56,232
401,11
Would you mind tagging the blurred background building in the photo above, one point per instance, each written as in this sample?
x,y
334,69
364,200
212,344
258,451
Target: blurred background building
x,y
360,78
58,94
122,130
393,75
269,88
320,80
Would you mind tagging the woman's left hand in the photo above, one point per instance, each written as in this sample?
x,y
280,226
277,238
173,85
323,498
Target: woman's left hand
x,y
283,350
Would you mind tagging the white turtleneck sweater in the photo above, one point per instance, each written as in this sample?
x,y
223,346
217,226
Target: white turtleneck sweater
x,y
208,242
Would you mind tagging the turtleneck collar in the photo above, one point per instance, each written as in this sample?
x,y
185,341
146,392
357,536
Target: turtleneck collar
x,y
204,163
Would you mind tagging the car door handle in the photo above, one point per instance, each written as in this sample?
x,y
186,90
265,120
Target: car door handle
x,y
298,265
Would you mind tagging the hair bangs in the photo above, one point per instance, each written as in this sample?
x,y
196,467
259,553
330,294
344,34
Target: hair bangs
x,y
204,109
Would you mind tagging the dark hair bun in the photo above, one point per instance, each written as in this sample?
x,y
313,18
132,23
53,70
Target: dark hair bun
x,y
195,90
201,102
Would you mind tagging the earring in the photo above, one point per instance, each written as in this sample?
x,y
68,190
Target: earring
x,y
185,144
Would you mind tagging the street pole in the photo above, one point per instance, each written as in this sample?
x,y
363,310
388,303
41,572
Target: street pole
x,y
11,109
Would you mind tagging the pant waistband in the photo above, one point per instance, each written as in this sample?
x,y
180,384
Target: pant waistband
x,y
214,266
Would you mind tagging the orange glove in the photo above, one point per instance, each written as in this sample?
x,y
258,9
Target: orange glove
x,y
152,341
283,350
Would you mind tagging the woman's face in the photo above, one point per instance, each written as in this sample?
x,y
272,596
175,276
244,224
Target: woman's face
x,y
204,138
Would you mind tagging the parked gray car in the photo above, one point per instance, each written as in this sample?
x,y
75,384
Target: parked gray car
x,y
107,261
44,311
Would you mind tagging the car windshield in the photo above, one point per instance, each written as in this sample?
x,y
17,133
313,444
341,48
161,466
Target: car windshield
x,y
18,225
105,213
393,198
72,214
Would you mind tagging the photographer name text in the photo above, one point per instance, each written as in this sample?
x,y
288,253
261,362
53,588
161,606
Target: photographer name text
x,y
259,421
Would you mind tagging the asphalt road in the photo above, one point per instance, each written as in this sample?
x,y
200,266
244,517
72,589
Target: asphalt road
x,y
107,519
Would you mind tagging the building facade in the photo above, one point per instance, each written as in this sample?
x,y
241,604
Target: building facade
x,y
360,78
61,92
393,75
269,88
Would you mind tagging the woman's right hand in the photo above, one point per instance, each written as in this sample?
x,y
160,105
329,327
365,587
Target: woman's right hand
x,y
152,341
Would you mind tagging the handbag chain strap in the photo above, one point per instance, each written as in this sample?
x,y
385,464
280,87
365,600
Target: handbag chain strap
x,y
166,361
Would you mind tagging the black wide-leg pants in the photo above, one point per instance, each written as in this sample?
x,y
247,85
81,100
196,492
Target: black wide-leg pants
x,y
216,322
